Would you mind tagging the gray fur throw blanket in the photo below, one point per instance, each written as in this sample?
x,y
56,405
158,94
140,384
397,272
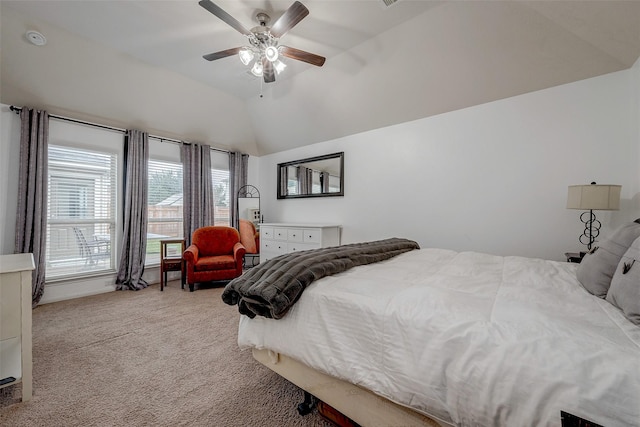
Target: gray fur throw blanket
x,y
270,289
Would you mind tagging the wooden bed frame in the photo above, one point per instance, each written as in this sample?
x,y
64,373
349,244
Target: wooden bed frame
x,y
360,405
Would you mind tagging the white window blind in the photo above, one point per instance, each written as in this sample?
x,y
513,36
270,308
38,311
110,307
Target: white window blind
x,y
81,214
221,197
164,206
220,185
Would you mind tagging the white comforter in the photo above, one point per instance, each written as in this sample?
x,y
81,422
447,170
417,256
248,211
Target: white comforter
x,y
467,338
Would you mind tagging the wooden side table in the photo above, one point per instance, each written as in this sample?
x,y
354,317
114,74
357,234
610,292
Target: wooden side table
x,y
171,259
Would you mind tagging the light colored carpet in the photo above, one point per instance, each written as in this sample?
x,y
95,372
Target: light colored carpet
x,y
148,358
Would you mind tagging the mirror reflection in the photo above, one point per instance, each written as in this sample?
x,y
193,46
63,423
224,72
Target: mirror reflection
x,y
313,177
248,204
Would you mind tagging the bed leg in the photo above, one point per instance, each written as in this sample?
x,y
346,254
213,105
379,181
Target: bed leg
x,y
307,405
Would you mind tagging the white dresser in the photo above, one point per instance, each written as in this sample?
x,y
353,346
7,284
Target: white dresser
x,y
281,238
15,321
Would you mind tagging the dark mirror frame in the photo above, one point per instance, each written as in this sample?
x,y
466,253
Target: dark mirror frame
x,y
339,156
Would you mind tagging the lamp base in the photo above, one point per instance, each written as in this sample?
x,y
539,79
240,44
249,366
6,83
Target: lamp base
x,y
591,228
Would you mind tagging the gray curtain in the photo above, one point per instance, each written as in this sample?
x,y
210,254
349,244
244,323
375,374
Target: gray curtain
x,y
31,212
197,189
305,180
284,180
134,237
238,166
324,181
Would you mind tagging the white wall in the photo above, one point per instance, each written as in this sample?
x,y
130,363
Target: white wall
x,y
9,167
489,178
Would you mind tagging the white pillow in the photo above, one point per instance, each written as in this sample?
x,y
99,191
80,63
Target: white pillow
x,y
597,268
624,292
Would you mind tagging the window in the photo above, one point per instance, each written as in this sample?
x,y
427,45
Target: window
x,y
164,206
221,199
84,182
292,181
220,185
81,213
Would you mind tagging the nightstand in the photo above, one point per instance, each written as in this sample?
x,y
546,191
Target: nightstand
x,y
575,257
171,259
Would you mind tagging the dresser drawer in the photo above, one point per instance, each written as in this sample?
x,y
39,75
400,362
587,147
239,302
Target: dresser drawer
x,y
267,255
312,236
274,246
266,232
296,247
280,233
294,235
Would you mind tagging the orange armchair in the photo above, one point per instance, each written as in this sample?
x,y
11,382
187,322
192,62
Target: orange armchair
x,y
250,239
215,254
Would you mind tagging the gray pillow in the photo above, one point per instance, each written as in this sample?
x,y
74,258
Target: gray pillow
x,y
624,292
597,268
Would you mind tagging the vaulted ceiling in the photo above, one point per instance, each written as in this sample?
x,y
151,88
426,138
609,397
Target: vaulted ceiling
x,y
385,65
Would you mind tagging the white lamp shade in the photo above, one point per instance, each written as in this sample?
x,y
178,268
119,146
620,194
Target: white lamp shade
x,y
246,55
279,66
257,69
594,197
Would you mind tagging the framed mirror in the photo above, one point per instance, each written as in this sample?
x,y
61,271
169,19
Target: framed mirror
x,y
320,176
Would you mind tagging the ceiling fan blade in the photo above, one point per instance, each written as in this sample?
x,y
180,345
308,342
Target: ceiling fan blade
x,y
217,11
267,71
296,13
221,54
301,55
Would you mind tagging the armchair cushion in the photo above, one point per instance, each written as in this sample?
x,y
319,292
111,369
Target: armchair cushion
x,y
215,262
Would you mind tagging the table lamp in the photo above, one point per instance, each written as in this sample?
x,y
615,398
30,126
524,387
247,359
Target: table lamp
x,y
589,198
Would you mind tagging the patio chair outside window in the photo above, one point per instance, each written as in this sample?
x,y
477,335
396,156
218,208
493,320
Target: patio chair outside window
x,y
92,251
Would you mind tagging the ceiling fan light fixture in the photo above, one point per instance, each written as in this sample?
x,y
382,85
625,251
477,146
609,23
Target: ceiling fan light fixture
x,y
256,70
261,56
279,66
246,55
271,53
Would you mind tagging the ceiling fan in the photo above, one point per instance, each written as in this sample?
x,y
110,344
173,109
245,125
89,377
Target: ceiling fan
x,y
263,41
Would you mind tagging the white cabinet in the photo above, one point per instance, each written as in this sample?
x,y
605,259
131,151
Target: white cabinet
x,y
15,321
281,238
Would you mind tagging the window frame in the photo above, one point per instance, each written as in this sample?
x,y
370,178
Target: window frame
x,y
82,230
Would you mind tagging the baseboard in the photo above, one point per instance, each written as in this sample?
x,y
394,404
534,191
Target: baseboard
x,y
62,290
78,288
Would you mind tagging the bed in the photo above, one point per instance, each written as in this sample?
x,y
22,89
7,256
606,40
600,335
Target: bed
x,y
436,337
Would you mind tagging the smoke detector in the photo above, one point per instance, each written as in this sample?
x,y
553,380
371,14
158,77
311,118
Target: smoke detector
x,y
36,38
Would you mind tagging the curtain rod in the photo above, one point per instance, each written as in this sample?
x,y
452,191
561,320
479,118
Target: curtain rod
x,y
82,122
